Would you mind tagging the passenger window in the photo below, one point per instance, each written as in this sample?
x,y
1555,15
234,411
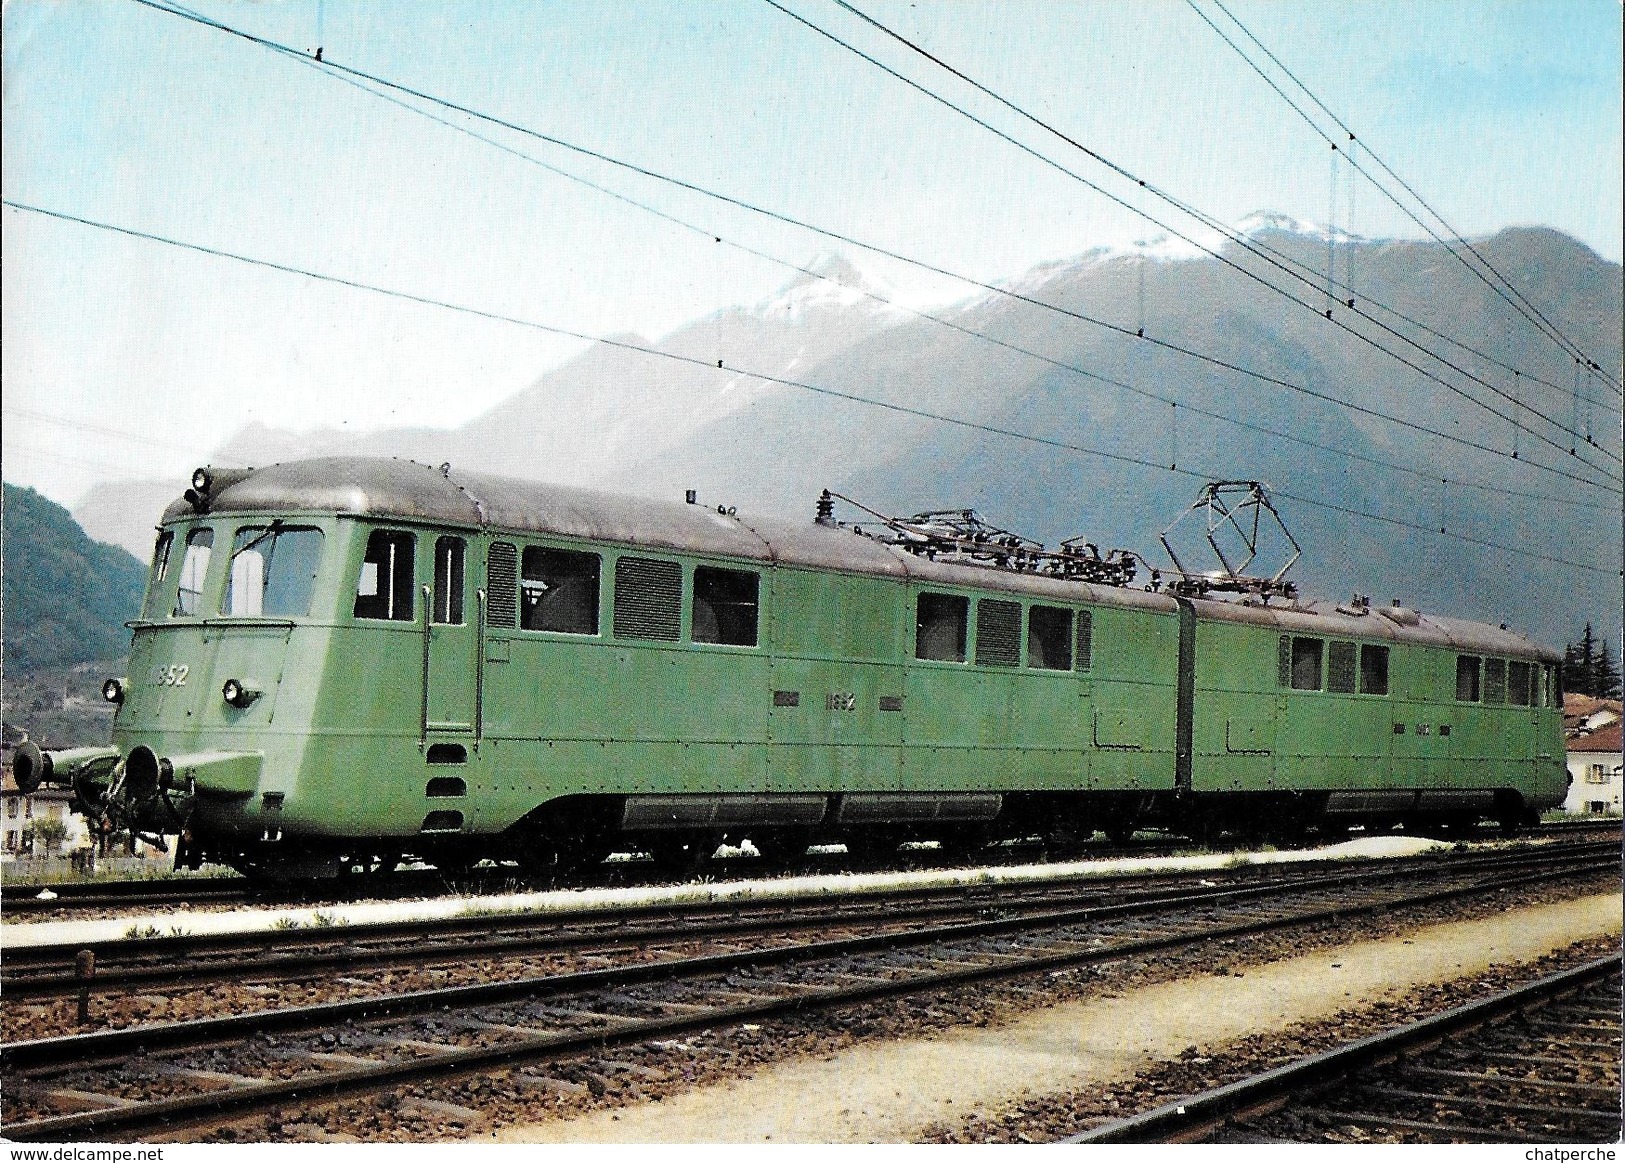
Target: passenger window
x,y
1341,668
1467,670
725,606
1306,659
939,627
1373,670
1518,692
1495,680
194,569
273,572
384,590
160,569
558,591
448,581
1049,638
998,632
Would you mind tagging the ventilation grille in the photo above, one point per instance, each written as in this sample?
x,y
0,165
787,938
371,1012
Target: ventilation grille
x,y
502,585
1495,680
1283,667
648,599
998,633
1342,668
1086,639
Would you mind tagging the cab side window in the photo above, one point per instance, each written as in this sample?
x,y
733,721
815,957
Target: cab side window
x,y
160,570
384,589
448,581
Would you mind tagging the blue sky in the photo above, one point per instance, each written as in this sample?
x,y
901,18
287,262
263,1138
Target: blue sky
x,y
122,358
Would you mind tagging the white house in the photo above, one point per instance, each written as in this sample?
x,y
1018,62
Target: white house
x,y
19,813
1595,773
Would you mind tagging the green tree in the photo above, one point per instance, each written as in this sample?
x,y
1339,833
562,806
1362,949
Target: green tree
x,y
46,830
1588,669
49,831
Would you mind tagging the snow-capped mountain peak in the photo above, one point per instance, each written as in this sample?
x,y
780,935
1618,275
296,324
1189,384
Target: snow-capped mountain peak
x,y
830,281
1265,221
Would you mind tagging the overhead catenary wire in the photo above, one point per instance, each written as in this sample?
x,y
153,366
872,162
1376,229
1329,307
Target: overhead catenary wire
x,y
1256,246
99,429
875,248
711,233
1499,281
785,381
1309,278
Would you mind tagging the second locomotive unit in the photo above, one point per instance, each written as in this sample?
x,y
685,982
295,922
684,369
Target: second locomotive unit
x,y
347,662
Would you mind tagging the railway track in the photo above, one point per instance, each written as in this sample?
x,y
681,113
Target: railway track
x,y
68,897
194,961
1535,1064
71,896
208,1073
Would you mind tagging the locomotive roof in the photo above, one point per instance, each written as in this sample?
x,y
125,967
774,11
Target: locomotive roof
x,y
404,489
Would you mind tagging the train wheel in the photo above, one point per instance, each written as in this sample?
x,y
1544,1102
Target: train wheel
x,y
1120,834
1460,828
783,846
681,852
1063,842
581,855
872,844
455,864
1333,833
1287,833
537,859
961,843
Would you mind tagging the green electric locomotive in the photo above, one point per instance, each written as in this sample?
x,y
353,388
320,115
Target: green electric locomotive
x,y
343,663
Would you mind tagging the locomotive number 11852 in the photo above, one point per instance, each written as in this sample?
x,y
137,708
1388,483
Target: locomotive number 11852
x,y
173,675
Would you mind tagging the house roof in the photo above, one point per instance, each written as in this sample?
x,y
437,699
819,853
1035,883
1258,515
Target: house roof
x,y
1578,704
1607,739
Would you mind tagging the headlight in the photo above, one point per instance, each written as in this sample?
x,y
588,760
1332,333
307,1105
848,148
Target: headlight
x,y
113,691
202,479
237,693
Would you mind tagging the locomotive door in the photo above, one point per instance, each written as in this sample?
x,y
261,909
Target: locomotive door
x,y
449,643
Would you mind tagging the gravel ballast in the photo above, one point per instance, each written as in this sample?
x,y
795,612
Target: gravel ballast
x,y
974,1084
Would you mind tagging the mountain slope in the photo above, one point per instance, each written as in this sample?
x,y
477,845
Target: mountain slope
x,y
1117,464
66,597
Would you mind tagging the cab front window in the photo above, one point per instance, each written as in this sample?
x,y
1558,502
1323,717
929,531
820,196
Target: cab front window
x,y
273,571
194,569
